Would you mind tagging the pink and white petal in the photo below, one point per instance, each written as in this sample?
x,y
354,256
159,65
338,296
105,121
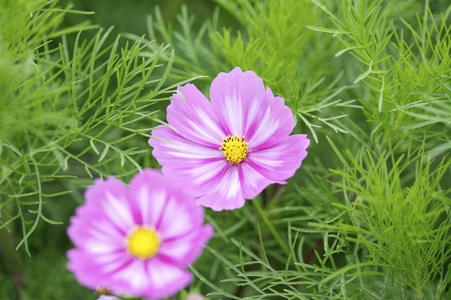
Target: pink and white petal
x,y
149,191
185,250
170,146
190,164
134,277
93,271
225,191
180,217
164,204
166,279
110,263
152,278
102,248
193,116
274,122
111,198
196,176
86,272
281,160
90,223
236,98
252,182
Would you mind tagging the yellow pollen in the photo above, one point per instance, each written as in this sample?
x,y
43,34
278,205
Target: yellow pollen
x,y
143,242
234,149
103,291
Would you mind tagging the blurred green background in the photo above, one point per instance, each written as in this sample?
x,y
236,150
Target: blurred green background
x,y
130,16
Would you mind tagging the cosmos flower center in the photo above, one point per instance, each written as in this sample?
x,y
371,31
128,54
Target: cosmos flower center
x,y
234,149
143,242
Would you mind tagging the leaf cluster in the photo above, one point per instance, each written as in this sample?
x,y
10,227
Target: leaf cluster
x,y
68,111
273,41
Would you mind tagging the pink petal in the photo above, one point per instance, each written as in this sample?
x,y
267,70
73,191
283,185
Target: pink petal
x,y
193,117
196,176
152,278
110,197
191,165
244,107
174,147
85,271
90,227
164,205
236,98
273,123
225,191
181,216
166,279
252,182
185,250
149,192
281,160
90,271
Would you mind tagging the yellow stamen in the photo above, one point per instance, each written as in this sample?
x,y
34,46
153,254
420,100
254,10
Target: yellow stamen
x,y
103,291
234,149
143,242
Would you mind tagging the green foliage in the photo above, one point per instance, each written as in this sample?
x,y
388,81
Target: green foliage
x,y
405,227
26,25
66,107
71,110
275,42
400,71
194,55
294,71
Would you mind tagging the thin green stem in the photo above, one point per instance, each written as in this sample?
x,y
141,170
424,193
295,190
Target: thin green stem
x,y
12,260
420,295
271,227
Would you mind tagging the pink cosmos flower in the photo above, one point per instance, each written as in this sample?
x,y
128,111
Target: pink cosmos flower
x,y
137,241
229,149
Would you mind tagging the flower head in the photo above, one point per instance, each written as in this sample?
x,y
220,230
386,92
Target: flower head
x,y
136,241
229,149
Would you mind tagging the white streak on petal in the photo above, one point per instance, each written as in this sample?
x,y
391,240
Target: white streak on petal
x,y
209,122
118,211
96,247
174,222
134,274
198,130
234,184
151,216
263,133
207,171
144,201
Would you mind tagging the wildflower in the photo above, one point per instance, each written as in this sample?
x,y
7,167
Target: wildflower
x,y
136,241
229,149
